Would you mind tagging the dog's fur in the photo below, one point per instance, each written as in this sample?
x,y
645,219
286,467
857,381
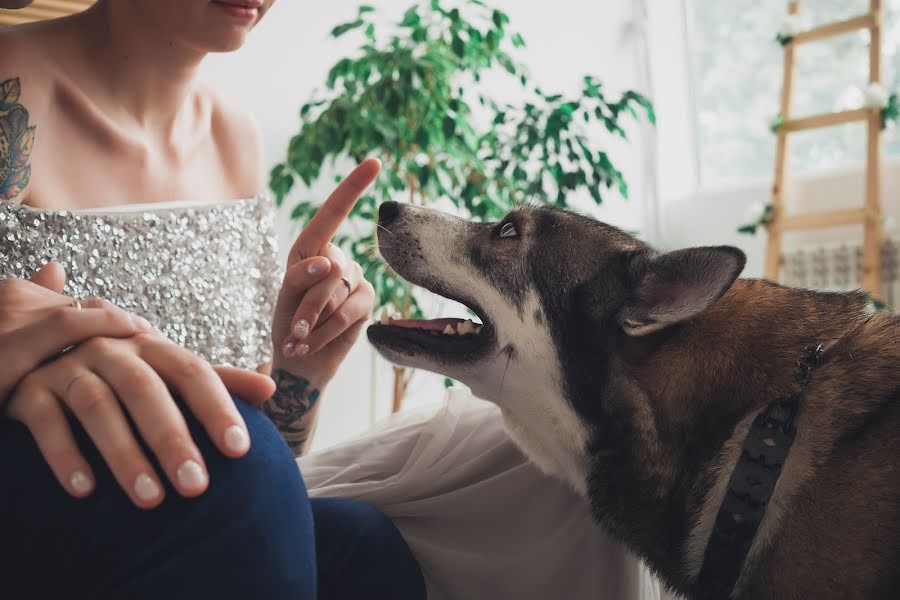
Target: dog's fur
x,y
634,376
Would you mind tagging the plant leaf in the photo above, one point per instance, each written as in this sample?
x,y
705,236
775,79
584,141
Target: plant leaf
x,y
411,18
448,126
458,46
345,27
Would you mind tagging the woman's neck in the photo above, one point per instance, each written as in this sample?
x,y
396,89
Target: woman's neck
x,y
151,77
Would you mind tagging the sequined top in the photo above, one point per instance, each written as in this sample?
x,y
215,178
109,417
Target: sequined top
x,y
206,275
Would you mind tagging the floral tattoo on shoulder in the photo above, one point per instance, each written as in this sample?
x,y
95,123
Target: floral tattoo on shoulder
x,y
16,141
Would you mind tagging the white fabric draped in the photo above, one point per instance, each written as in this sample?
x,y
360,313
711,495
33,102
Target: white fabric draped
x,y
483,522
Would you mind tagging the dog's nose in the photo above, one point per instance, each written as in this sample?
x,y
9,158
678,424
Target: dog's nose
x,y
387,212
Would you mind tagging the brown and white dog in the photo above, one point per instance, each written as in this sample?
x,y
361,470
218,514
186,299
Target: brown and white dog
x,y
635,377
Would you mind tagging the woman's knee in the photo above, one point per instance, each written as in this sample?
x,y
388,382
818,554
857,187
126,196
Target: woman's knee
x,y
356,538
254,522
268,465
249,535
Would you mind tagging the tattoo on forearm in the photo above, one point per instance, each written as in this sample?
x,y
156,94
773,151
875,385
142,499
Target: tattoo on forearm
x,y
16,141
291,408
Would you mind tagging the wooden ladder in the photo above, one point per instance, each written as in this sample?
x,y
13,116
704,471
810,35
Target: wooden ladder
x,y
869,216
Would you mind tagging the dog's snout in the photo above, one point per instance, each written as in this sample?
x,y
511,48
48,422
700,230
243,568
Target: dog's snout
x,y
387,212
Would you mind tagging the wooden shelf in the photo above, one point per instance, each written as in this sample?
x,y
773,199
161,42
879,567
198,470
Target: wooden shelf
x,y
834,29
826,120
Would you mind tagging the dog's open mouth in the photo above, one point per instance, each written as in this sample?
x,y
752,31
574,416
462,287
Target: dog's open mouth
x,y
445,339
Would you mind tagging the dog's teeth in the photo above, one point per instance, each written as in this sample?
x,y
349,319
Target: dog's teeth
x,y
396,317
478,329
385,319
466,327
448,330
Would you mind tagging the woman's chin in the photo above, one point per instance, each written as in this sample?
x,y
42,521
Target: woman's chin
x,y
223,42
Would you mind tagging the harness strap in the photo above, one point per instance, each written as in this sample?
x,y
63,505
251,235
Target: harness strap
x,y
751,487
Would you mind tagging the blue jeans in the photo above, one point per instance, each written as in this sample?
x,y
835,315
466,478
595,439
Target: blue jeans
x,y
253,534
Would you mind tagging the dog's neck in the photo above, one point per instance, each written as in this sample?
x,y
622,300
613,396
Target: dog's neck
x,y
543,426
678,399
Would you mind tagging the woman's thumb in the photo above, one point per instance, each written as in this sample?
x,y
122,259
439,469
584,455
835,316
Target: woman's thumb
x,y
250,386
51,276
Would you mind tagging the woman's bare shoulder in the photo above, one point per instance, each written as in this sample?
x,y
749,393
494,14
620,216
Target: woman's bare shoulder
x,y
38,54
239,141
34,42
25,90
23,55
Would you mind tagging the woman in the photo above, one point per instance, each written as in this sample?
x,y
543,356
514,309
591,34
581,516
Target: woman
x,y
160,484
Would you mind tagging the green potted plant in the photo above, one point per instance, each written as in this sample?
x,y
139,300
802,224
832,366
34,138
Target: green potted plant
x,y
412,96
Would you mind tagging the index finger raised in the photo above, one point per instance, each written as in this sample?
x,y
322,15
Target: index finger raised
x,y
322,227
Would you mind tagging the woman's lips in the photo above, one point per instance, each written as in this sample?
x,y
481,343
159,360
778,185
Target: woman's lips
x,y
239,10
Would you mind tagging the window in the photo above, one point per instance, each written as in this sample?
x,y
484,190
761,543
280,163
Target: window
x,y
737,71
43,9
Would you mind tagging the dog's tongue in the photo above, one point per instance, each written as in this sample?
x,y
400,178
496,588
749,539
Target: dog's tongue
x,y
426,324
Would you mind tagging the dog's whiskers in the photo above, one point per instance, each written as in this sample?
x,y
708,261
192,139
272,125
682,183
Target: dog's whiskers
x,y
370,249
383,228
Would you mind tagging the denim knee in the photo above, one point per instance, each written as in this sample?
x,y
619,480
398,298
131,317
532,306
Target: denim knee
x,y
361,553
250,535
252,528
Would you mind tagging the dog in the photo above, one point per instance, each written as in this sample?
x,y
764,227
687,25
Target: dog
x,y
643,379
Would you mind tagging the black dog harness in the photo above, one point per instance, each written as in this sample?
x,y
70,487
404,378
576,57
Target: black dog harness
x,y
750,488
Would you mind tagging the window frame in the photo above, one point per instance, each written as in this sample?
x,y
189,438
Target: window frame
x,y
692,85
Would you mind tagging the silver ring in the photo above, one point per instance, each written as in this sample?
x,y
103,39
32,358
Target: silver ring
x,y
71,381
76,303
348,284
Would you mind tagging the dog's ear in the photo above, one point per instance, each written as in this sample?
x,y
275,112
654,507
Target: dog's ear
x,y
678,285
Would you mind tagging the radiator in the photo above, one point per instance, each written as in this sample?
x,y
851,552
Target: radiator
x,y
836,266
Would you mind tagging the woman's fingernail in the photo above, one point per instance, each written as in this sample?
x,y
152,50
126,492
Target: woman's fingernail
x,y
236,439
81,483
301,350
141,323
301,329
288,349
190,475
315,268
146,488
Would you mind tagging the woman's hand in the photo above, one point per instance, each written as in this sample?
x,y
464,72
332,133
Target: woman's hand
x,y
324,300
37,322
105,380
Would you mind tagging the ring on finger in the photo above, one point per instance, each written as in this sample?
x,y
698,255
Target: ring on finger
x,y
348,285
71,381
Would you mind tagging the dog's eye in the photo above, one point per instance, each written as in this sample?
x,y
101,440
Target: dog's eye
x,y
508,230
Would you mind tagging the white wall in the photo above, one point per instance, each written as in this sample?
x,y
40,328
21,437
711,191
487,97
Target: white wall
x,y
288,57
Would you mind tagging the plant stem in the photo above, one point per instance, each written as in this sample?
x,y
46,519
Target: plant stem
x,y
400,382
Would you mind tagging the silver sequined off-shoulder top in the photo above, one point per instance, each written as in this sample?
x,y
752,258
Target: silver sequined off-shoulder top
x,y
206,275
